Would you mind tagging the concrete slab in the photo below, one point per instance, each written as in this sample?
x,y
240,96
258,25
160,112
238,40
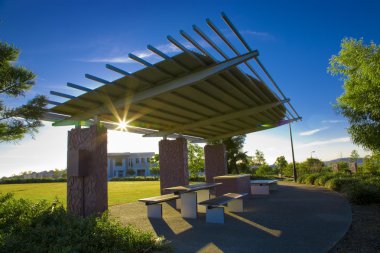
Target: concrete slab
x,y
296,218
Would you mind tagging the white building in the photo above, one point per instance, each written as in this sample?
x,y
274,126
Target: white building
x,y
128,164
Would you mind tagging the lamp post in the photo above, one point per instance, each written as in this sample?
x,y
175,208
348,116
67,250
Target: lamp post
x,y
294,161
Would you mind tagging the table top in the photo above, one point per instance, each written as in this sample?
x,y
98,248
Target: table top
x,y
263,181
191,188
159,199
232,176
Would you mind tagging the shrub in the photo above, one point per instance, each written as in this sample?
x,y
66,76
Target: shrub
x,y
262,177
43,227
301,179
138,178
362,193
338,183
309,179
323,178
31,180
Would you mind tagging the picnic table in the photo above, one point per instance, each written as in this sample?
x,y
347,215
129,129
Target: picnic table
x,y
263,187
190,195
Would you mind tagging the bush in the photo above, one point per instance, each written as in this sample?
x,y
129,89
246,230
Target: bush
x,y
323,178
338,183
43,227
309,179
138,178
362,193
301,179
31,180
263,177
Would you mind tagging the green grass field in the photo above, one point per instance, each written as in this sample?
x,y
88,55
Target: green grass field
x,y
118,192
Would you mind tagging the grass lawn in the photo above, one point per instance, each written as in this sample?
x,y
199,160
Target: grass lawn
x,y
118,192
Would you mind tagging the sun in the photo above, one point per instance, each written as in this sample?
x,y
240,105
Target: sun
x,y
122,125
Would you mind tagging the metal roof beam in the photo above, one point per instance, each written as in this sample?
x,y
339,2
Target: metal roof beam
x,y
97,79
250,130
217,119
240,37
78,87
63,95
169,86
117,70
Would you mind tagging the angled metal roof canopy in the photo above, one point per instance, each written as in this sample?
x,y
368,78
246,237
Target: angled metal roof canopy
x,y
190,94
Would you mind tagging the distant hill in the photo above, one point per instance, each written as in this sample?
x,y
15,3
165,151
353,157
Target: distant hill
x,y
344,159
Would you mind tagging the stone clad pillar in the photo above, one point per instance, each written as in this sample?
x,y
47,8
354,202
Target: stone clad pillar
x,y
87,171
215,161
173,163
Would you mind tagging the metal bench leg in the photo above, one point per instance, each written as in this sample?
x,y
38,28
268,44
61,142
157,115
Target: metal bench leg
x,y
202,195
155,211
189,205
215,215
260,189
236,206
178,204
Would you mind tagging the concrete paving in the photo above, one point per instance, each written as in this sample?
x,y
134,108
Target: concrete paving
x,y
295,218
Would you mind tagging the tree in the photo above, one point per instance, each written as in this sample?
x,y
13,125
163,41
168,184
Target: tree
x,y
237,160
196,160
354,156
15,122
259,159
281,164
358,65
155,165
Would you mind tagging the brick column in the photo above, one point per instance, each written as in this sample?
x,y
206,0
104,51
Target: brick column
x,y
173,163
87,171
215,161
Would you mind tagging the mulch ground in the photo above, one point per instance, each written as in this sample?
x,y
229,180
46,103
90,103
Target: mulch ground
x,y
364,233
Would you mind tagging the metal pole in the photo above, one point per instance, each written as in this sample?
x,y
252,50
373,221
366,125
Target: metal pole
x,y
294,161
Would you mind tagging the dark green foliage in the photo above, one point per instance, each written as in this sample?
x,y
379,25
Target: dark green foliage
x,y
196,159
237,160
42,227
265,170
31,180
338,183
263,177
362,193
309,179
359,67
14,82
323,178
138,178
360,188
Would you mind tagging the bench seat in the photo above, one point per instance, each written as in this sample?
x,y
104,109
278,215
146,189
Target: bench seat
x,y
215,209
154,207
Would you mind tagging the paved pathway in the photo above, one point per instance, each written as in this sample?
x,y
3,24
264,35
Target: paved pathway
x,y
295,218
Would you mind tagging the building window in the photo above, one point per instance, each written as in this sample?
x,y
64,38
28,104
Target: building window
x,y
130,162
120,173
142,160
140,172
148,160
137,160
118,162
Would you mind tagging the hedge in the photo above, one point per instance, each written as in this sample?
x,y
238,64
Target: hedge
x,y
43,227
360,188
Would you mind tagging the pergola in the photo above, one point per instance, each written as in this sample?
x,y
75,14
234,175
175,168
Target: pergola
x,y
191,95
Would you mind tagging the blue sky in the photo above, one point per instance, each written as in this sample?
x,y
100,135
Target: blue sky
x,y
63,40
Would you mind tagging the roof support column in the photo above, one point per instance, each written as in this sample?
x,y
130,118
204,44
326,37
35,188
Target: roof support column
x,y
173,163
87,171
215,161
